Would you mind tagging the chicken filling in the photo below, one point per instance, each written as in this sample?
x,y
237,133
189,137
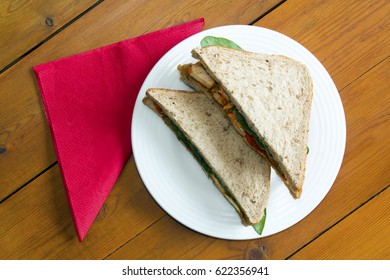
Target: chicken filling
x,y
215,91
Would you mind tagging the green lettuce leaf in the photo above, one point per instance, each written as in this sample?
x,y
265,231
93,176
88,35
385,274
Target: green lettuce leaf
x,y
260,225
219,41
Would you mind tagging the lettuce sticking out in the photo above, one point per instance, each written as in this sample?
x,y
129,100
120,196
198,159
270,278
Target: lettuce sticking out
x,y
260,225
219,41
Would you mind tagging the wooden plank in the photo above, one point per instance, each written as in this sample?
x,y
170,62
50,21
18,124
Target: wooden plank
x,y
363,235
167,239
24,24
36,222
362,176
348,37
25,141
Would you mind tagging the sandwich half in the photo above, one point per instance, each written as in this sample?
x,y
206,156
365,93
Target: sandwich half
x,y
236,170
266,97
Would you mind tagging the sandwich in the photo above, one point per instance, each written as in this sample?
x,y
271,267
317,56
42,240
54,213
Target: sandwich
x,y
267,99
235,169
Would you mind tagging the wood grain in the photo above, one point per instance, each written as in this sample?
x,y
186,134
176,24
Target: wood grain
x,y
348,37
362,176
24,135
24,24
36,222
175,241
363,235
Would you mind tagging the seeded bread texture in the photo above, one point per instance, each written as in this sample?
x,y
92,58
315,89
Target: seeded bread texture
x,y
274,94
241,170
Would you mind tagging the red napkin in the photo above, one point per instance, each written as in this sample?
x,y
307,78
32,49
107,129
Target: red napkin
x,y
89,100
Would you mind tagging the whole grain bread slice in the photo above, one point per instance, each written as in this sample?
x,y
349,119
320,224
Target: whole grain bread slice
x,y
239,173
274,95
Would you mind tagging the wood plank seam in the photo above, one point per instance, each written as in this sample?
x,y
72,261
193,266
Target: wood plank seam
x,y
135,236
364,73
339,221
29,181
267,12
12,63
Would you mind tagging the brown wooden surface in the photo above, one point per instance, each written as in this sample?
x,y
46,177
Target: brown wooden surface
x,y
351,39
20,19
368,227
348,37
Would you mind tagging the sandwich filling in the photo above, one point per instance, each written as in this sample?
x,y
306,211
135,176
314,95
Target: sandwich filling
x,y
195,75
200,159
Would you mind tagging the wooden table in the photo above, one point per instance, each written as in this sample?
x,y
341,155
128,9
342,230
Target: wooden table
x,y
351,39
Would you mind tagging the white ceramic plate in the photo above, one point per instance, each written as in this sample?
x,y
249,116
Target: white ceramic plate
x,y
177,182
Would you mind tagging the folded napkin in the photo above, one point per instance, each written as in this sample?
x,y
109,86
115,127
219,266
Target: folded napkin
x,y
88,100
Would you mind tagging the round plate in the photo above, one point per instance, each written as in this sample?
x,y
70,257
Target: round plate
x,y
177,182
